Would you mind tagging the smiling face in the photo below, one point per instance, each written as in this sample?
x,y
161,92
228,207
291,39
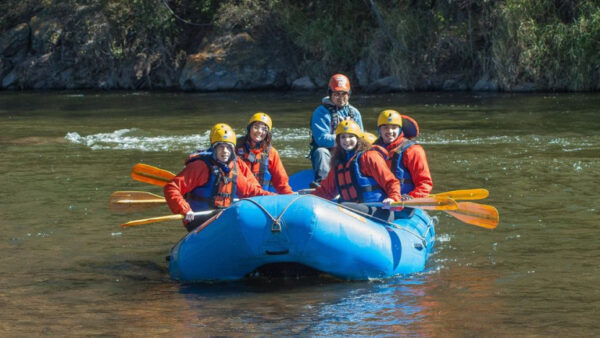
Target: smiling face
x,y
340,98
389,132
258,131
223,152
348,141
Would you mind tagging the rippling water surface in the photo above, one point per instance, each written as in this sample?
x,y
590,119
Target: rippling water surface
x,y
69,269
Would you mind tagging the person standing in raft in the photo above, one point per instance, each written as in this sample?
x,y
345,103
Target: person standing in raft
x,y
211,179
334,109
406,159
262,158
359,174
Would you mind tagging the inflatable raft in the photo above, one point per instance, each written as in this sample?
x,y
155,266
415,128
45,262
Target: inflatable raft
x,y
305,230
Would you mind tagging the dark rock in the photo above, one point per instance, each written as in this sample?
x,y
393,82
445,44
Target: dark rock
x,y
303,83
454,85
235,62
14,41
387,84
524,87
484,84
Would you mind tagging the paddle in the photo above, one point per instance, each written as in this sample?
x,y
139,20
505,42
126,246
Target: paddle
x,y
162,219
133,201
483,215
149,174
426,203
466,194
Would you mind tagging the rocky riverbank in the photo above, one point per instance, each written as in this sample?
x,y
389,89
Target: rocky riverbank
x,y
74,46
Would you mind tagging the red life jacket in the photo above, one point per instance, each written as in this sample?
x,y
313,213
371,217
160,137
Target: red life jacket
x,y
219,190
353,186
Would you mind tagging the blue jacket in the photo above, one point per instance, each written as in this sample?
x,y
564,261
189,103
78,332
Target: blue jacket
x,y
323,126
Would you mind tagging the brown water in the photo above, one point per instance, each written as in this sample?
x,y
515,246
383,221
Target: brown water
x,y
69,269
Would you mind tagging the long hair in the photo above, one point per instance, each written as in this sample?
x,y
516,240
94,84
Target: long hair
x,y
263,145
339,154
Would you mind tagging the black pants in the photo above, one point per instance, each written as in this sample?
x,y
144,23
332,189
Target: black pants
x,y
382,214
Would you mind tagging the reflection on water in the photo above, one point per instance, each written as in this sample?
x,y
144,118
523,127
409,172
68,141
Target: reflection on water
x,y
68,269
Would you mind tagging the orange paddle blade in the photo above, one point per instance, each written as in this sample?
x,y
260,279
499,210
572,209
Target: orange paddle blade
x,y
466,194
429,203
482,215
149,174
133,201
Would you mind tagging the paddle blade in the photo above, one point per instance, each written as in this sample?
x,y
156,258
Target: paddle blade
x,y
429,203
482,215
149,174
466,194
133,201
152,220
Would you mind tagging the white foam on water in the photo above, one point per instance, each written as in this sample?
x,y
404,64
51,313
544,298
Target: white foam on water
x,y
133,139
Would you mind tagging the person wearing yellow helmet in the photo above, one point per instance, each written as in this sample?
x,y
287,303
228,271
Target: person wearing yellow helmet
x,y
406,159
369,137
359,173
334,109
262,158
211,179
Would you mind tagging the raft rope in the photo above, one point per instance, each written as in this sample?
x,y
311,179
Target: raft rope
x,y
393,225
276,226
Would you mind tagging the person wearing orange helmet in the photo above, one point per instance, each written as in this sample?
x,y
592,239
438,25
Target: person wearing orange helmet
x,y
406,158
262,158
359,174
334,109
211,179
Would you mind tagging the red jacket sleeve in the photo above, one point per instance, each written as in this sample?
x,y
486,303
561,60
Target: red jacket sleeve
x,y
327,189
193,175
279,176
374,165
247,185
416,162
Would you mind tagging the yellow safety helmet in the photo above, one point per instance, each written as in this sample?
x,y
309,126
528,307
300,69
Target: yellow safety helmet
x,y
222,132
369,137
261,117
348,127
389,116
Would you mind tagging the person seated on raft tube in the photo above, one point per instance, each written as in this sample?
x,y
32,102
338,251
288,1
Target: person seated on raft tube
x,y
359,174
334,109
211,179
260,156
406,159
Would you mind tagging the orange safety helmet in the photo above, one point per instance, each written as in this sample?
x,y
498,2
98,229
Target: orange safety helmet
x,y
339,83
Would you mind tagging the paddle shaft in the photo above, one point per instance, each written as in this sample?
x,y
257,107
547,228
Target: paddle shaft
x,y
162,219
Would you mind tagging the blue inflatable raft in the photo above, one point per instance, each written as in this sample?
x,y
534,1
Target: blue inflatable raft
x,y
305,230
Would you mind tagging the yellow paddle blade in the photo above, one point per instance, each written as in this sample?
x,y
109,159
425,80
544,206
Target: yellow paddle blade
x,y
466,194
133,201
429,203
152,220
149,174
482,215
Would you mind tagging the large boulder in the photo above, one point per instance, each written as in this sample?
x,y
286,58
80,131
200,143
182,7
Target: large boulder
x,y
235,62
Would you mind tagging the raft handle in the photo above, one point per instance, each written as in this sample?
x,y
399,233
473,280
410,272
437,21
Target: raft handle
x,y
274,253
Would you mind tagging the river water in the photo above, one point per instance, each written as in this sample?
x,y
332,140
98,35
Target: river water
x,y
69,269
